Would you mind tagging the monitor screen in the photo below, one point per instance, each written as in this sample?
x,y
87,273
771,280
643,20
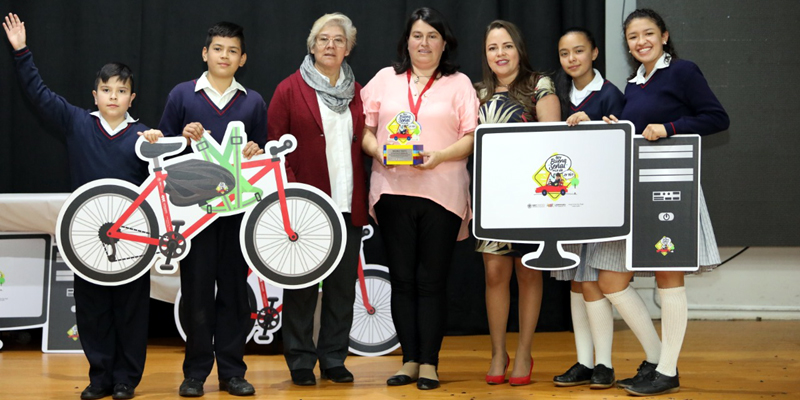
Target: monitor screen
x,y
24,268
543,182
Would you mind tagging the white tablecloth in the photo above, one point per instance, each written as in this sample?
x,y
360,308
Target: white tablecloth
x,y
38,212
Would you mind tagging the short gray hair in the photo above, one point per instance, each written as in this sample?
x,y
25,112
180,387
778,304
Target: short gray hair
x,y
337,19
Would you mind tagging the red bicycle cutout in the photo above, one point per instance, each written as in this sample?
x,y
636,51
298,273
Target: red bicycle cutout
x,y
372,333
292,234
265,310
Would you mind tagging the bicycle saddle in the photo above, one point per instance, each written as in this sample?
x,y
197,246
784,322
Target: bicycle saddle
x,y
153,150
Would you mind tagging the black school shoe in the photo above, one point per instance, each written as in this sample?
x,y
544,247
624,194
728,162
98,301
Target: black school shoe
x,y
237,386
122,391
655,385
644,370
191,388
602,378
576,375
338,374
94,392
303,377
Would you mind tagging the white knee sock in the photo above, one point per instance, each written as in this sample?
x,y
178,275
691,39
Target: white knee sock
x,y
583,335
674,317
601,323
635,314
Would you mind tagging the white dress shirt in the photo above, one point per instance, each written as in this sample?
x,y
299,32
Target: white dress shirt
x,y
640,79
219,100
119,128
578,96
338,130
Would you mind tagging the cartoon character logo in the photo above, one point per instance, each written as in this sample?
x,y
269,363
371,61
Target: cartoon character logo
x,y
665,246
404,128
2,278
222,188
556,177
72,333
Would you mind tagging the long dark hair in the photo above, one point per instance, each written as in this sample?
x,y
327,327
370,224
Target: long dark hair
x,y
563,81
523,87
435,19
662,26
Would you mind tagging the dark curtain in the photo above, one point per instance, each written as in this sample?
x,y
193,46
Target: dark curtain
x,y
162,42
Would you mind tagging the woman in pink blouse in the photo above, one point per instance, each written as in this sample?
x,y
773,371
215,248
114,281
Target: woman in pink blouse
x,y
422,210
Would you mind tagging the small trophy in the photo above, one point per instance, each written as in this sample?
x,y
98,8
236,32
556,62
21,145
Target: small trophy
x,y
402,154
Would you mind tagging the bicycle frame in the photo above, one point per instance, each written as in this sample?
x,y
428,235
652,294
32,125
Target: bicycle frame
x,y
266,165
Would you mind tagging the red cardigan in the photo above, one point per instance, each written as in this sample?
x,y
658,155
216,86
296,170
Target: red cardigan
x,y
294,109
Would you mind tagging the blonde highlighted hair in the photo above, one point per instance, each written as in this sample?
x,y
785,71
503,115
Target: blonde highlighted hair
x,y
336,19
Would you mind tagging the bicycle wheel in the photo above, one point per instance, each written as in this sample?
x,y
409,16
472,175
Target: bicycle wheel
x,y
373,335
305,261
83,241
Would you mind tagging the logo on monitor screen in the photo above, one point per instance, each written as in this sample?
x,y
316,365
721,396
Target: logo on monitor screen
x,y
2,278
556,177
665,246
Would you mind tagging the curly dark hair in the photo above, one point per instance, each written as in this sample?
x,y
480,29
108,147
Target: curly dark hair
x,y
662,26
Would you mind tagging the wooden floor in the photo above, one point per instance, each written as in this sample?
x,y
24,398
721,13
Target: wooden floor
x,y
720,361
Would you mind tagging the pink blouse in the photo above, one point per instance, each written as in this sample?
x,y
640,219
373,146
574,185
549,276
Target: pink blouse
x,y
449,111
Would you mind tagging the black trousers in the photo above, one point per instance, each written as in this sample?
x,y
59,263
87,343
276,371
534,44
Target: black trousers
x,y
112,326
216,326
419,236
338,295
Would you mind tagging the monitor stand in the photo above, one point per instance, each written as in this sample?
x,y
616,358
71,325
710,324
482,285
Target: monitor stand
x,y
550,257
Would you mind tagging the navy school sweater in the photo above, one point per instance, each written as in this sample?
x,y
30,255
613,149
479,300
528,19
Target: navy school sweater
x,y
92,152
678,97
602,103
185,106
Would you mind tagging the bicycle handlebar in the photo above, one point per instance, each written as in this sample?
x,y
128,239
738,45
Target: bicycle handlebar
x,y
287,145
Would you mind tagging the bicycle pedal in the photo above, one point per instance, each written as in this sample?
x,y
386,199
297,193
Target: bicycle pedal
x,y
166,267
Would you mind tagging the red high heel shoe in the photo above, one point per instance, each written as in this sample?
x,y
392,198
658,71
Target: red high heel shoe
x,y
499,379
522,380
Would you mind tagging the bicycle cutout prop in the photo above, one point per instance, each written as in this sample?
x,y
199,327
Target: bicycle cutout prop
x,y
372,333
265,310
292,234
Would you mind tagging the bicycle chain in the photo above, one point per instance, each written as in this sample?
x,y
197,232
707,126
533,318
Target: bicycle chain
x,y
129,228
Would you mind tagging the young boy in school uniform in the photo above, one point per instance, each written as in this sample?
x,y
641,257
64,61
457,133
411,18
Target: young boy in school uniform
x,y
112,320
216,327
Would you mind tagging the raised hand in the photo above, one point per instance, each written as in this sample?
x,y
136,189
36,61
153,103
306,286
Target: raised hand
x,y
15,30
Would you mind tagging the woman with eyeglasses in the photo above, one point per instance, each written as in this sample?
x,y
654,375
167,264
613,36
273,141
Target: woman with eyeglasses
x,y
422,210
321,106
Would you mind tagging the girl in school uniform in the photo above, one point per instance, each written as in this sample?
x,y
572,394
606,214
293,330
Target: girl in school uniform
x,y
586,96
666,96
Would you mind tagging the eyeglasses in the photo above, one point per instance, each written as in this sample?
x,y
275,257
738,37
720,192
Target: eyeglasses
x,y
338,41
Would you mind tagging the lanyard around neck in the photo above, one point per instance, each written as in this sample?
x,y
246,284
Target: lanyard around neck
x,y
414,106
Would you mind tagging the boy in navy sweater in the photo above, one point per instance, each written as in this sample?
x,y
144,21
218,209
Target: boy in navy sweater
x,y
112,320
216,327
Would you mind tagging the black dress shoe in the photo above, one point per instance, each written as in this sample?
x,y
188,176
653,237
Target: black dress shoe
x,y
657,384
94,392
237,386
191,388
576,375
602,377
122,391
427,384
338,374
644,370
400,380
303,377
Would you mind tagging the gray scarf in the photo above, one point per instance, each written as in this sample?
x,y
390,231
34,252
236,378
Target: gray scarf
x,y
338,97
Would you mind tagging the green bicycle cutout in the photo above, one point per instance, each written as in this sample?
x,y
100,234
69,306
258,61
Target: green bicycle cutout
x,y
292,234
